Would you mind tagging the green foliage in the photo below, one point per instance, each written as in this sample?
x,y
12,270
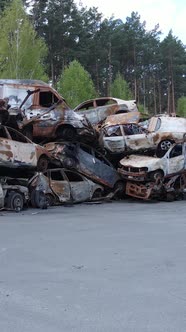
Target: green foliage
x,y
181,108
173,67
21,50
76,84
120,88
56,21
4,4
155,70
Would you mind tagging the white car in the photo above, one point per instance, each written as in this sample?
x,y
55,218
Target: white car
x,y
161,134
96,110
145,168
12,196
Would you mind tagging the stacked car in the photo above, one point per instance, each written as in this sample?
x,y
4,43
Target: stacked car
x,y
104,148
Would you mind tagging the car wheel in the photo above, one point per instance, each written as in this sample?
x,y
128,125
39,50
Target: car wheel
x,y
156,176
170,197
120,186
97,193
49,199
42,164
15,201
67,133
163,147
119,189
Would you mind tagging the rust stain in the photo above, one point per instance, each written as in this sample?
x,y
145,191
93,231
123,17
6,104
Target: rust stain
x,y
9,154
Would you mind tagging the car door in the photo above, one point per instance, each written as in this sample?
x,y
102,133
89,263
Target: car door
x,y
114,139
59,185
6,151
96,169
137,138
23,150
176,161
104,171
79,186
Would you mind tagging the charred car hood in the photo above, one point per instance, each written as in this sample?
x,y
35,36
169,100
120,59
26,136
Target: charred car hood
x,y
139,161
124,118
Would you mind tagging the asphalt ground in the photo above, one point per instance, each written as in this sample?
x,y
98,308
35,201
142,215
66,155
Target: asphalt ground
x,y
117,266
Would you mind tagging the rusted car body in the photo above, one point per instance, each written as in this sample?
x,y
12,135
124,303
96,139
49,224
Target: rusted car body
x,y
98,109
146,168
59,186
162,132
16,150
12,197
40,112
120,119
170,189
85,160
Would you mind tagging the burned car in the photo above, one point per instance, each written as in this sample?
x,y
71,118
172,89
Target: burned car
x,y
146,168
85,160
17,151
59,186
170,189
39,112
161,134
12,196
96,110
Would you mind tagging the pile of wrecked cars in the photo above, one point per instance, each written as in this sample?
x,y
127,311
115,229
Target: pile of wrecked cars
x,y
103,149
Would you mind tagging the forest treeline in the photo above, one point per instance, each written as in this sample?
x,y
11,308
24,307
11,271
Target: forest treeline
x,y
58,32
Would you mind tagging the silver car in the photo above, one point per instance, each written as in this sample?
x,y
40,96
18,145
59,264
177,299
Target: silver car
x,y
17,151
161,134
59,186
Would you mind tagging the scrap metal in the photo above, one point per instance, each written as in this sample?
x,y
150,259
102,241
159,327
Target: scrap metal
x,y
169,189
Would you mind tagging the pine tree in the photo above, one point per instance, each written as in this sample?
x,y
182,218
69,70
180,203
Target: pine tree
x,y
76,84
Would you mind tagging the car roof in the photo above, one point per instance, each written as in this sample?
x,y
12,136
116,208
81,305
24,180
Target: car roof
x,y
101,101
23,82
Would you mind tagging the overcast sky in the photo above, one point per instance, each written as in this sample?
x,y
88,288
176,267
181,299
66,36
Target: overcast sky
x,y
170,14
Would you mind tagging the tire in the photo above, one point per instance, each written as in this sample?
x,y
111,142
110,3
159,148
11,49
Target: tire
x,y
97,194
170,197
69,163
67,133
119,188
32,199
39,199
156,176
49,199
163,147
42,164
15,201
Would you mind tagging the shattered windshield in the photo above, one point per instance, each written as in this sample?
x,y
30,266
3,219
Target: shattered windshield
x,y
16,96
113,131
